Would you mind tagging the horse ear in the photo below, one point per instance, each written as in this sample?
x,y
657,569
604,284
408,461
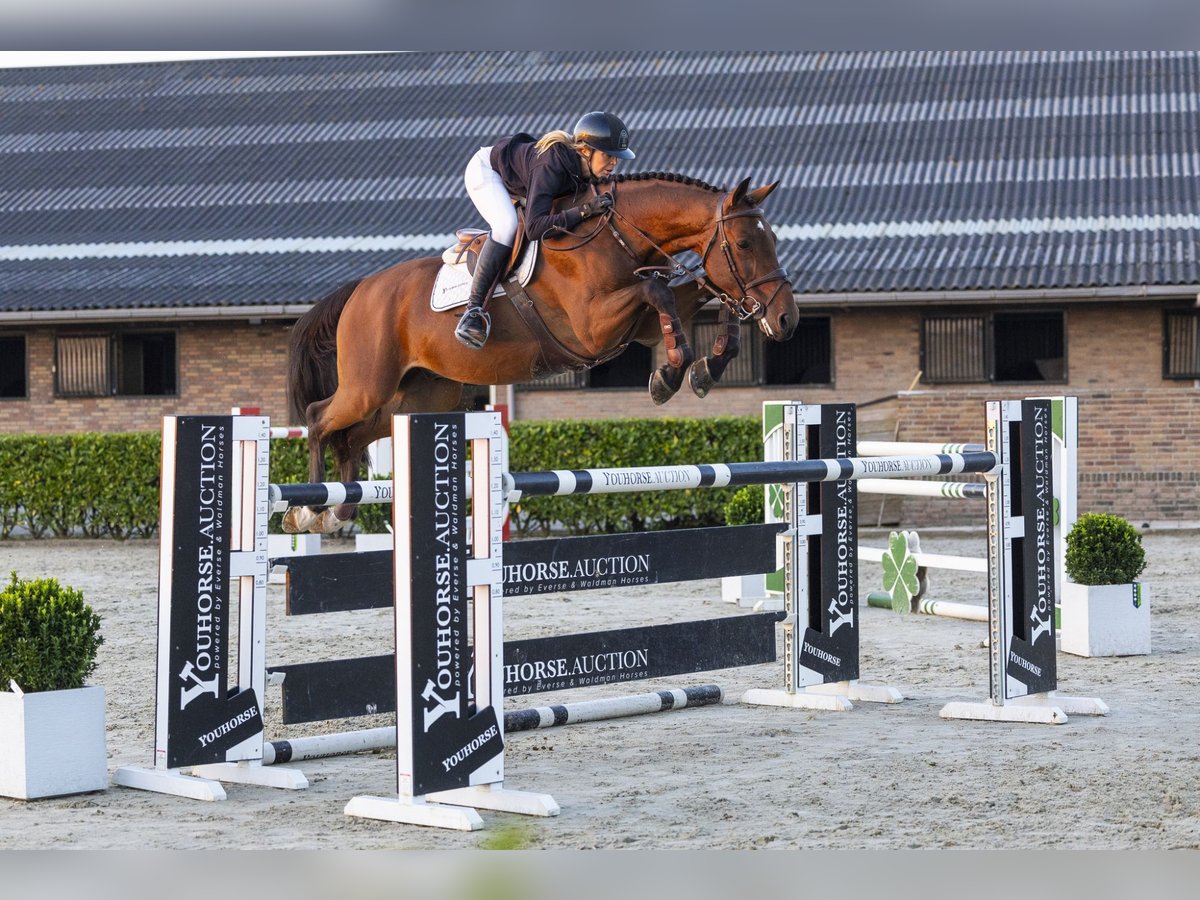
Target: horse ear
x,y
738,194
758,195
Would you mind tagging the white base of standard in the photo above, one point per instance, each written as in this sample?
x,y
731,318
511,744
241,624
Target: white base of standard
x,y
205,781
168,781
414,811
490,796
443,813
254,773
836,696
744,590
1041,709
1072,706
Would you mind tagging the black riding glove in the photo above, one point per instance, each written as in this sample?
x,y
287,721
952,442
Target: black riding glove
x,y
600,204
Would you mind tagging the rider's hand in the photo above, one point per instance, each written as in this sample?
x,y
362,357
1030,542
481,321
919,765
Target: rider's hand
x,y
600,204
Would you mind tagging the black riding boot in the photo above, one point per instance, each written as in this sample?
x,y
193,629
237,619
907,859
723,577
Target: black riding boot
x,y
475,324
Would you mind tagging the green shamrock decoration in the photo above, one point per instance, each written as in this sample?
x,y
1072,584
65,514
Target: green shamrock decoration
x,y
775,499
900,571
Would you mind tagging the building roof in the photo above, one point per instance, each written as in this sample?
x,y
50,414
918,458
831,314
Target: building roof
x,y
220,185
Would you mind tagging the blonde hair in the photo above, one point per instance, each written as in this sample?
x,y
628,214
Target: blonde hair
x,y
550,138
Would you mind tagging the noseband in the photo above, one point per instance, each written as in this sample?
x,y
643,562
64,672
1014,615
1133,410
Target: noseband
x,y
743,306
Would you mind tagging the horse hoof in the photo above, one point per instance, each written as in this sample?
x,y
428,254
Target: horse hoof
x,y
660,390
298,520
327,523
700,378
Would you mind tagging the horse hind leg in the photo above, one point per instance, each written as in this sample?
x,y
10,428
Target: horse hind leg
x,y
329,423
334,518
707,370
419,392
351,451
305,519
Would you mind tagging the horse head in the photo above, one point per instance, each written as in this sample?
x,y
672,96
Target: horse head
x,y
740,261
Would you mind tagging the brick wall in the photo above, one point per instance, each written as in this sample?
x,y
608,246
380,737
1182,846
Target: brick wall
x,y
220,365
1138,454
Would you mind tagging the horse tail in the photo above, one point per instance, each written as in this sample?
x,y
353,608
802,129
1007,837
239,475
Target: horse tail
x,y
312,352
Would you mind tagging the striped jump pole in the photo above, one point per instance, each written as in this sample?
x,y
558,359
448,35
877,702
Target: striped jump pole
x,y
281,433
952,490
557,715
972,612
912,448
611,707
563,482
328,493
275,433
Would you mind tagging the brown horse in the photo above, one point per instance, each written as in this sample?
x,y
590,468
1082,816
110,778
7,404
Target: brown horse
x,y
375,347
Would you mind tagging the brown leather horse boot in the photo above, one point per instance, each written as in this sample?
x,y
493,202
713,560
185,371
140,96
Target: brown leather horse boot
x,y
475,324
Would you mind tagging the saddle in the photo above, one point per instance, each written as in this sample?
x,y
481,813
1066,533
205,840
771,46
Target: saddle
x,y
553,357
470,241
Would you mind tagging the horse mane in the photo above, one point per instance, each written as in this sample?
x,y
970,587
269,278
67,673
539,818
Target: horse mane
x,y
658,176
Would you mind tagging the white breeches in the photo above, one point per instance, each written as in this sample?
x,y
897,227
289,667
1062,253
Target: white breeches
x,y
487,191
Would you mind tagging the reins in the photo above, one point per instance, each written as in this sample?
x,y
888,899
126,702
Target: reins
x,y
744,307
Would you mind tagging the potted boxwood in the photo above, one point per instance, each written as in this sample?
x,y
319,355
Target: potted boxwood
x,y
51,725
1105,609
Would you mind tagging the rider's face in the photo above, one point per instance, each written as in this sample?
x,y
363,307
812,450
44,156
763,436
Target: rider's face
x,y
600,164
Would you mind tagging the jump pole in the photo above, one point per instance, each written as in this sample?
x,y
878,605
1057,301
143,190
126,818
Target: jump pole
x,y
533,718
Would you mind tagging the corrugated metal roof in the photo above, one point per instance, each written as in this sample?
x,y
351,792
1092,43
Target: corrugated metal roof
x,y
270,181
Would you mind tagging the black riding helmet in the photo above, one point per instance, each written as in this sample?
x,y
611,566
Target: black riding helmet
x,y
604,132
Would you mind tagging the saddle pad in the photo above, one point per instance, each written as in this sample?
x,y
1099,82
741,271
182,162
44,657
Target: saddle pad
x,y
453,282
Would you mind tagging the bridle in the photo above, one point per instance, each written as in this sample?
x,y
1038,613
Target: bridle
x,y
743,306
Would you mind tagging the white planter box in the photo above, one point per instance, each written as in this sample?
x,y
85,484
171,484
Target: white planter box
x,y
52,743
1106,620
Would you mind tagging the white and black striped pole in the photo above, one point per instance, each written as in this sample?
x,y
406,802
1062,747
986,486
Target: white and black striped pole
x,y
560,482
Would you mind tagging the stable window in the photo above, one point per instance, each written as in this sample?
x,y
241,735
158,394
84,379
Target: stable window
x,y
743,370
805,358
993,347
14,380
630,369
1181,344
124,364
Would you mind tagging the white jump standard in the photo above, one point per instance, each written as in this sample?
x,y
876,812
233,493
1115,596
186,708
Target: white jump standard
x,y
452,668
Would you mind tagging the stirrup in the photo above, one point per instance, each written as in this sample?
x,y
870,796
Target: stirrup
x,y
474,327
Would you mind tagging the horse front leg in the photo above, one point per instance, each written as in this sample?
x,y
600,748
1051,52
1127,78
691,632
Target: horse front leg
x,y
667,379
707,370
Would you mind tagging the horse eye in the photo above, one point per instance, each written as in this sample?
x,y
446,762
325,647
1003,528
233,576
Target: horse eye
x,y
743,245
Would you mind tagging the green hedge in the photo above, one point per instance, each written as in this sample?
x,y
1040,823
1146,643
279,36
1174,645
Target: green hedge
x,y
89,484
98,485
106,485
536,446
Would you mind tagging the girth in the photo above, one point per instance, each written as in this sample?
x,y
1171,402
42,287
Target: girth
x,y
553,357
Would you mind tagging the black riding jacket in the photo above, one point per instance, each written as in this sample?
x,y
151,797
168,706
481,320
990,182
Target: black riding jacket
x,y
540,179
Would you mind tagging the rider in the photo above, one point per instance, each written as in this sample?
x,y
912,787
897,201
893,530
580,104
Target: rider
x,y
540,170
